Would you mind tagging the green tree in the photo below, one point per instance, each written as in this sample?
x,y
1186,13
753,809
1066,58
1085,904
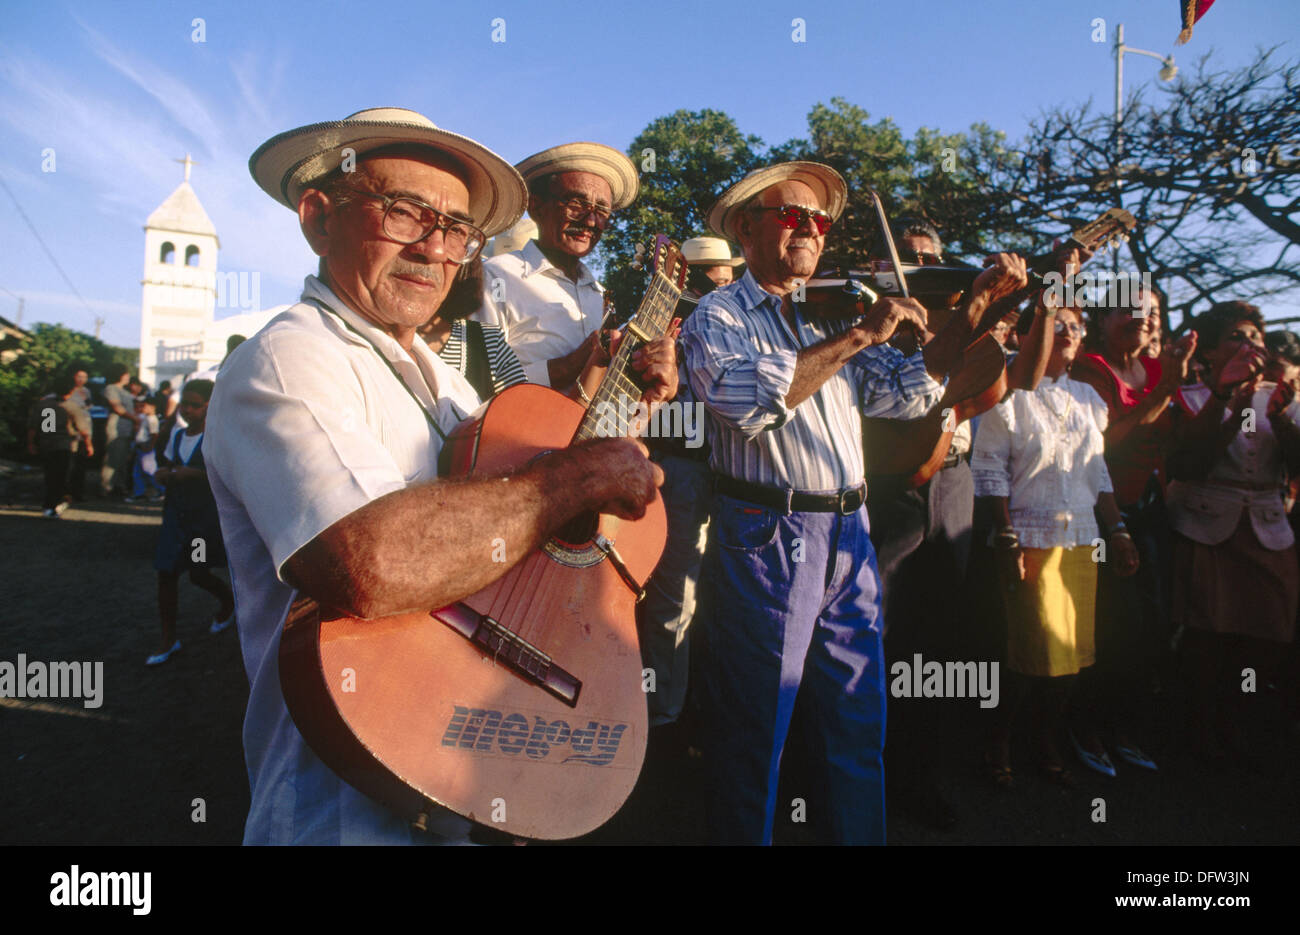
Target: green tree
x,y
686,160
50,350
935,176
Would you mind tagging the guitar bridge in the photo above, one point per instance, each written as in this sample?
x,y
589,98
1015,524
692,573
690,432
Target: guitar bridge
x,y
511,650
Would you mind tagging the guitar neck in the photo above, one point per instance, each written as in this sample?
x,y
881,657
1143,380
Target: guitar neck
x,y
615,400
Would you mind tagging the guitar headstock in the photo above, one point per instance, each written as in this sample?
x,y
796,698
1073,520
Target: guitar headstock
x,y
666,257
1111,229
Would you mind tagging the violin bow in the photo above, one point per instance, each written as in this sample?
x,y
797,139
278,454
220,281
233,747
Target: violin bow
x,y
888,237
909,336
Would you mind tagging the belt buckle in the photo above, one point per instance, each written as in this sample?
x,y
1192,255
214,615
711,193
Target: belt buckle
x,y
845,496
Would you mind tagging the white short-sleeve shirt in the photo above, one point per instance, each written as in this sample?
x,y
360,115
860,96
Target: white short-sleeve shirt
x,y
543,313
306,425
1045,451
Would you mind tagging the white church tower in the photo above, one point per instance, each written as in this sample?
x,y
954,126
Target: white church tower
x,y
179,286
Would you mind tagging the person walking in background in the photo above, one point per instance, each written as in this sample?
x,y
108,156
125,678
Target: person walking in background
x,y
191,533
80,457
118,432
146,462
1038,455
165,401
57,428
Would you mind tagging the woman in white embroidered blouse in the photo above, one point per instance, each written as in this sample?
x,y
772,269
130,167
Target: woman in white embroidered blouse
x,y
1039,457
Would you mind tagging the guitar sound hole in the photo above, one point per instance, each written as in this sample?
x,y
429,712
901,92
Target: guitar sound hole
x,y
578,531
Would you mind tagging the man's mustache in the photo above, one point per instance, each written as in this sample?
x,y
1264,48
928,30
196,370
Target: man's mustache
x,y
430,274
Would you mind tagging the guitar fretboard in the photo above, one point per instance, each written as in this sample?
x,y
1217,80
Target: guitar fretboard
x,y
617,397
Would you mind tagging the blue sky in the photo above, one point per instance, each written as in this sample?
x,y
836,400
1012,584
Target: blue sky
x,y
119,90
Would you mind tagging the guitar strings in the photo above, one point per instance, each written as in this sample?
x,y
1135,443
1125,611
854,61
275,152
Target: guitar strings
x,y
653,317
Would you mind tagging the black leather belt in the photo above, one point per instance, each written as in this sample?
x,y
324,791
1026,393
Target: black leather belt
x,y
845,502
953,459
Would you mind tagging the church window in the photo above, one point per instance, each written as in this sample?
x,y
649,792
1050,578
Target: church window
x,y
191,255
168,253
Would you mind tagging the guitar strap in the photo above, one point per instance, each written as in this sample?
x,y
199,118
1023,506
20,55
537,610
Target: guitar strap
x,y
478,370
387,363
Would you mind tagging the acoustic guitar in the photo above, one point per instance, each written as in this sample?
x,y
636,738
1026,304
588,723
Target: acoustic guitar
x,y
522,706
913,452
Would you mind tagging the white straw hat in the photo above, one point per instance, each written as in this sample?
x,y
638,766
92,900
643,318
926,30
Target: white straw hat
x,y
827,184
516,238
596,158
287,163
709,251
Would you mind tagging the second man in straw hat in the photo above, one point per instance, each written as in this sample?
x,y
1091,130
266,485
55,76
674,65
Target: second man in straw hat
x,y
543,296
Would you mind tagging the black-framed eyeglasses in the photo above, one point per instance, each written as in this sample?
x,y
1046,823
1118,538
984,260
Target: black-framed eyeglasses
x,y
408,221
1077,330
579,209
793,217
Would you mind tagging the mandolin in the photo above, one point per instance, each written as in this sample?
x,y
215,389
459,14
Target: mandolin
x,y
522,706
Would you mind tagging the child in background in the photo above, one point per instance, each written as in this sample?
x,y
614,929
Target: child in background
x,y
191,534
145,460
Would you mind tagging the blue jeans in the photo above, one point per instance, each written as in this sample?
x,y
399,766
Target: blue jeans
x,y
142,478
796,615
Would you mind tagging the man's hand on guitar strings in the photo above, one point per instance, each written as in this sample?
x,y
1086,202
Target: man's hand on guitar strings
x,y
656,369
615,475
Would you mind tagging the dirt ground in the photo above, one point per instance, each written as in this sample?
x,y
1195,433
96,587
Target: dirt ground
x,y
83,588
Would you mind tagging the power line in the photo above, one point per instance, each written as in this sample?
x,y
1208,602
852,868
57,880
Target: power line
x,y
48,252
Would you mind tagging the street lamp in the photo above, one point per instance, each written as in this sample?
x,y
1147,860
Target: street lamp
x,y
1166,73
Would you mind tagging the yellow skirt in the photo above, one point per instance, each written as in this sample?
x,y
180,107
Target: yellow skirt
x,y
1050,614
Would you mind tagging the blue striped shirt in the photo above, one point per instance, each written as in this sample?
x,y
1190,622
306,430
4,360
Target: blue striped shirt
x,y
741,354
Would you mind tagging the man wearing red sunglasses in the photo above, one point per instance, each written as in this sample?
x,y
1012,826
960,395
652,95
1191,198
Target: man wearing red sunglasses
x,y
796,610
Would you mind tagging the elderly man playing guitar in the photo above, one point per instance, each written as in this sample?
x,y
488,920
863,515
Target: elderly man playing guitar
x,y
325,429
797,599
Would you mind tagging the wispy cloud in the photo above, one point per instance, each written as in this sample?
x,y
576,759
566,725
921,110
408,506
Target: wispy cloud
x,y
70,301
119,131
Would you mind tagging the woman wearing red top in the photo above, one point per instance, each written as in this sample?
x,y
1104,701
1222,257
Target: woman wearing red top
x,y
1132,612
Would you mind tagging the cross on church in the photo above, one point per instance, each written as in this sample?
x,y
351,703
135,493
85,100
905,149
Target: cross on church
x,y
187,162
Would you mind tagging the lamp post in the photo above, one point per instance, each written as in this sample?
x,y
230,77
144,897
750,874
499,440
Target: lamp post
x,y
1166,73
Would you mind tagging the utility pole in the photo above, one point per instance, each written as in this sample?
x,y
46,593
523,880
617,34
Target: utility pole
x,y
99,323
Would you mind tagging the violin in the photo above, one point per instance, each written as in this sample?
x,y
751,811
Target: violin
x,y
941,287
